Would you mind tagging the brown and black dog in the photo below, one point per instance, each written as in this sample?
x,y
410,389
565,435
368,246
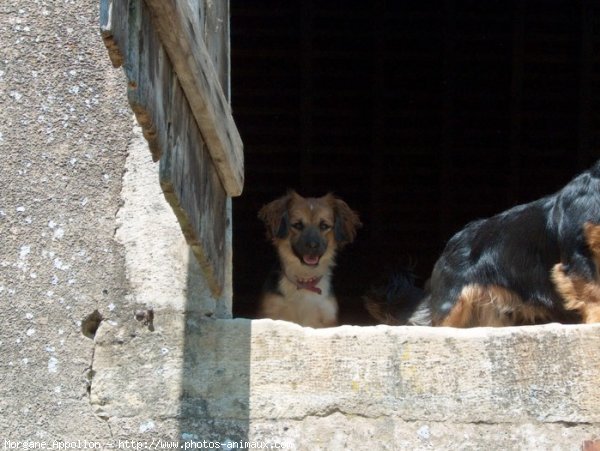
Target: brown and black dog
x,y
307,233
535,263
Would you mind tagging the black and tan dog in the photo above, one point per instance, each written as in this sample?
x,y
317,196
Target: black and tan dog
x,y
307,233
535,263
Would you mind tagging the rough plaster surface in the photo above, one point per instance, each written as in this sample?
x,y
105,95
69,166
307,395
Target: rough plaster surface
x,y
64,126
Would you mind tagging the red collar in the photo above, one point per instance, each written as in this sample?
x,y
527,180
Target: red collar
x,y
308,284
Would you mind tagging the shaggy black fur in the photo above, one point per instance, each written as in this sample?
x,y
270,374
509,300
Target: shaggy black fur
x,y
515,250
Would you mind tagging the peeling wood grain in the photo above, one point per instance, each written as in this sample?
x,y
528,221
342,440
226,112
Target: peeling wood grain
x,y
215,33
150,78
192,187
199,80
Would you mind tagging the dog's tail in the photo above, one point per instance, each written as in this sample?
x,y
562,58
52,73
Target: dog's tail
x,y
398,301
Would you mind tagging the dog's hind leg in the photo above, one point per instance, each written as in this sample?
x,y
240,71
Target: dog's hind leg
x,y
592,238
578,293
488,306
461,315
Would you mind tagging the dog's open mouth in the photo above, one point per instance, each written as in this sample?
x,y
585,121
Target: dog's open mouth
x,y
311,260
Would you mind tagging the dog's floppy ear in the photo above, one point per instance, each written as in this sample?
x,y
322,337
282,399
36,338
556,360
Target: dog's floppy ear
x,y
346,223
275,216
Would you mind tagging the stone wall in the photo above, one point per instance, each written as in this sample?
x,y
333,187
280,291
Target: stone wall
x,y
64,130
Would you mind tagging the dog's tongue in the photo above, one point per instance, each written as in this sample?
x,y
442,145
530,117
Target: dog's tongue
x,y
311,259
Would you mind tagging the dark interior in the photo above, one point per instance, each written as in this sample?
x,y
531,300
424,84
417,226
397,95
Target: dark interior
x,y
421,115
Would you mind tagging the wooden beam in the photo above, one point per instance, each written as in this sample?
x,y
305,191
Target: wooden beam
x,y
180,33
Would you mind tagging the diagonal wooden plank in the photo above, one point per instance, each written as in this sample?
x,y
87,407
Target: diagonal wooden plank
x,y
199,80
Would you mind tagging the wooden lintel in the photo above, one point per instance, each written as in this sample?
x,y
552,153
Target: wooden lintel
x,y
180,33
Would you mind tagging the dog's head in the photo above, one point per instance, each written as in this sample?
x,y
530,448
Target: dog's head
x,y
309,229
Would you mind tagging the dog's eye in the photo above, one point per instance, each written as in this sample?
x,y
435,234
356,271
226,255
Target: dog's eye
x,y
298,225
324,226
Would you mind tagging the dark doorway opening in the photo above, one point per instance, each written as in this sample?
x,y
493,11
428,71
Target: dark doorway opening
x,y
423,116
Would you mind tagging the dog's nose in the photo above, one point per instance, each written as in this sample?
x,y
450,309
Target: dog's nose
x,y
313,244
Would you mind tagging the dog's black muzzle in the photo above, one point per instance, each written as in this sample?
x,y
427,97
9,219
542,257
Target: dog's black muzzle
x,y
310,246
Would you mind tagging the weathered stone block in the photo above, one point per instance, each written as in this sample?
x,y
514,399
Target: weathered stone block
x,y
273,380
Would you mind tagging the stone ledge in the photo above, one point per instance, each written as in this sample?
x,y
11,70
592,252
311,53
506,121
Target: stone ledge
x,y
529,374
272,370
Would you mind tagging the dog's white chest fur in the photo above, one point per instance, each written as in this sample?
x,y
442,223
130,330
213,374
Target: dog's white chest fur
x,y
301,305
